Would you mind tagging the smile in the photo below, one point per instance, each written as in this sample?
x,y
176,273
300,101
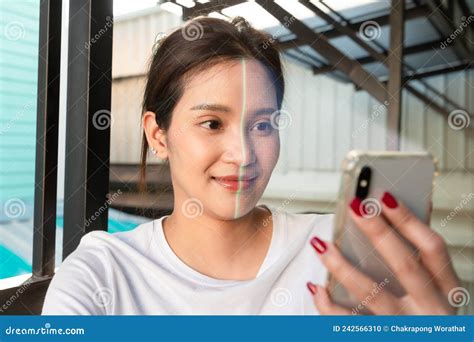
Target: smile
x,y
234,184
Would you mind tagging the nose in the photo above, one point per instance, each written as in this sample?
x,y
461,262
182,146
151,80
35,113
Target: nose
x,y
239,149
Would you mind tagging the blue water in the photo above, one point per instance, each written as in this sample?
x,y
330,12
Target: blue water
x,y
12,264
15,265
114,225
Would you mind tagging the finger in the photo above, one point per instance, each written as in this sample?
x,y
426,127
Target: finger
x,y
374,297
433,251
325,305
401,260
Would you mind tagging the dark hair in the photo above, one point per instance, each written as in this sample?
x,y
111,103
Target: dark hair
x,y
201,43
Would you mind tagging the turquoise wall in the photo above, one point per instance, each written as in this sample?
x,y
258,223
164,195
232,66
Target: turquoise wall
x,y
19,33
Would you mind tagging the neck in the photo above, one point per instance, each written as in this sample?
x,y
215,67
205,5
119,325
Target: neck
x,y
223,249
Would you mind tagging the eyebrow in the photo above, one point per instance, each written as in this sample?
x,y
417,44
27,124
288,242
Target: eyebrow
x,y
223,108
212,107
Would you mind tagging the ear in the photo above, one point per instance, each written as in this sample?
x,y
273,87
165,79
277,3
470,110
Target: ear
x,y
155,136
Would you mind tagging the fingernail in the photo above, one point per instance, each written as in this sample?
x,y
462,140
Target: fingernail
x,y
356,206
311,287
319,245
389,200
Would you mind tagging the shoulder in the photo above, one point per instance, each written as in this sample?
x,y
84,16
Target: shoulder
x,y
99,252
86,275
104,242
96,249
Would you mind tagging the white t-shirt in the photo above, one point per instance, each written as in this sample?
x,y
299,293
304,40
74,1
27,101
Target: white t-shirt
x,y
137,273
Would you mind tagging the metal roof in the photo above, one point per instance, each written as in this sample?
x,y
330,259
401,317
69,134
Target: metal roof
x,y
351,40
426,48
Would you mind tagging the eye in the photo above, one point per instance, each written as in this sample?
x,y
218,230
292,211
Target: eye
x,y
263,126
211,124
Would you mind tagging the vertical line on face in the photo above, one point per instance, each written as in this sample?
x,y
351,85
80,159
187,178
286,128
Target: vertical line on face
x,y
242,127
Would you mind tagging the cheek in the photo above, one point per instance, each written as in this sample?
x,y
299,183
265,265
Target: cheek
x,y
191,149
268,153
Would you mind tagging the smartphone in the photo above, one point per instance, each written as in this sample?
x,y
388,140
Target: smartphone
x,y
368,174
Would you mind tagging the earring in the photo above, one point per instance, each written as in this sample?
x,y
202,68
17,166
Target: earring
x,y
153,150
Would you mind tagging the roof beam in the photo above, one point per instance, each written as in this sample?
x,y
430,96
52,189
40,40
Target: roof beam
x,y
206,8
411,50
350,67
382,20
443,25
395,71
381,57
218,5
438,71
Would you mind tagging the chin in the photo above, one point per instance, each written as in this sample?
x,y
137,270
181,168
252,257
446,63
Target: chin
x,y
227,210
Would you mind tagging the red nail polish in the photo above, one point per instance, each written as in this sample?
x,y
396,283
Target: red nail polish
x,y
389,200
311,287
356,206
319,245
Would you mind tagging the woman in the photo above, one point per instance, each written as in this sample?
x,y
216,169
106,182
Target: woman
x,y
211,110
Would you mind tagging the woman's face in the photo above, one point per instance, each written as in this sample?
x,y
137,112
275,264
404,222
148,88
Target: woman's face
x,y
223,143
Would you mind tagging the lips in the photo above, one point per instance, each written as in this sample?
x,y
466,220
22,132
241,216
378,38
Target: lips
x,y
235,183
236,178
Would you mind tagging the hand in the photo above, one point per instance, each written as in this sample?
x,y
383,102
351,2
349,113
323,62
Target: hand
x,y
427,279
